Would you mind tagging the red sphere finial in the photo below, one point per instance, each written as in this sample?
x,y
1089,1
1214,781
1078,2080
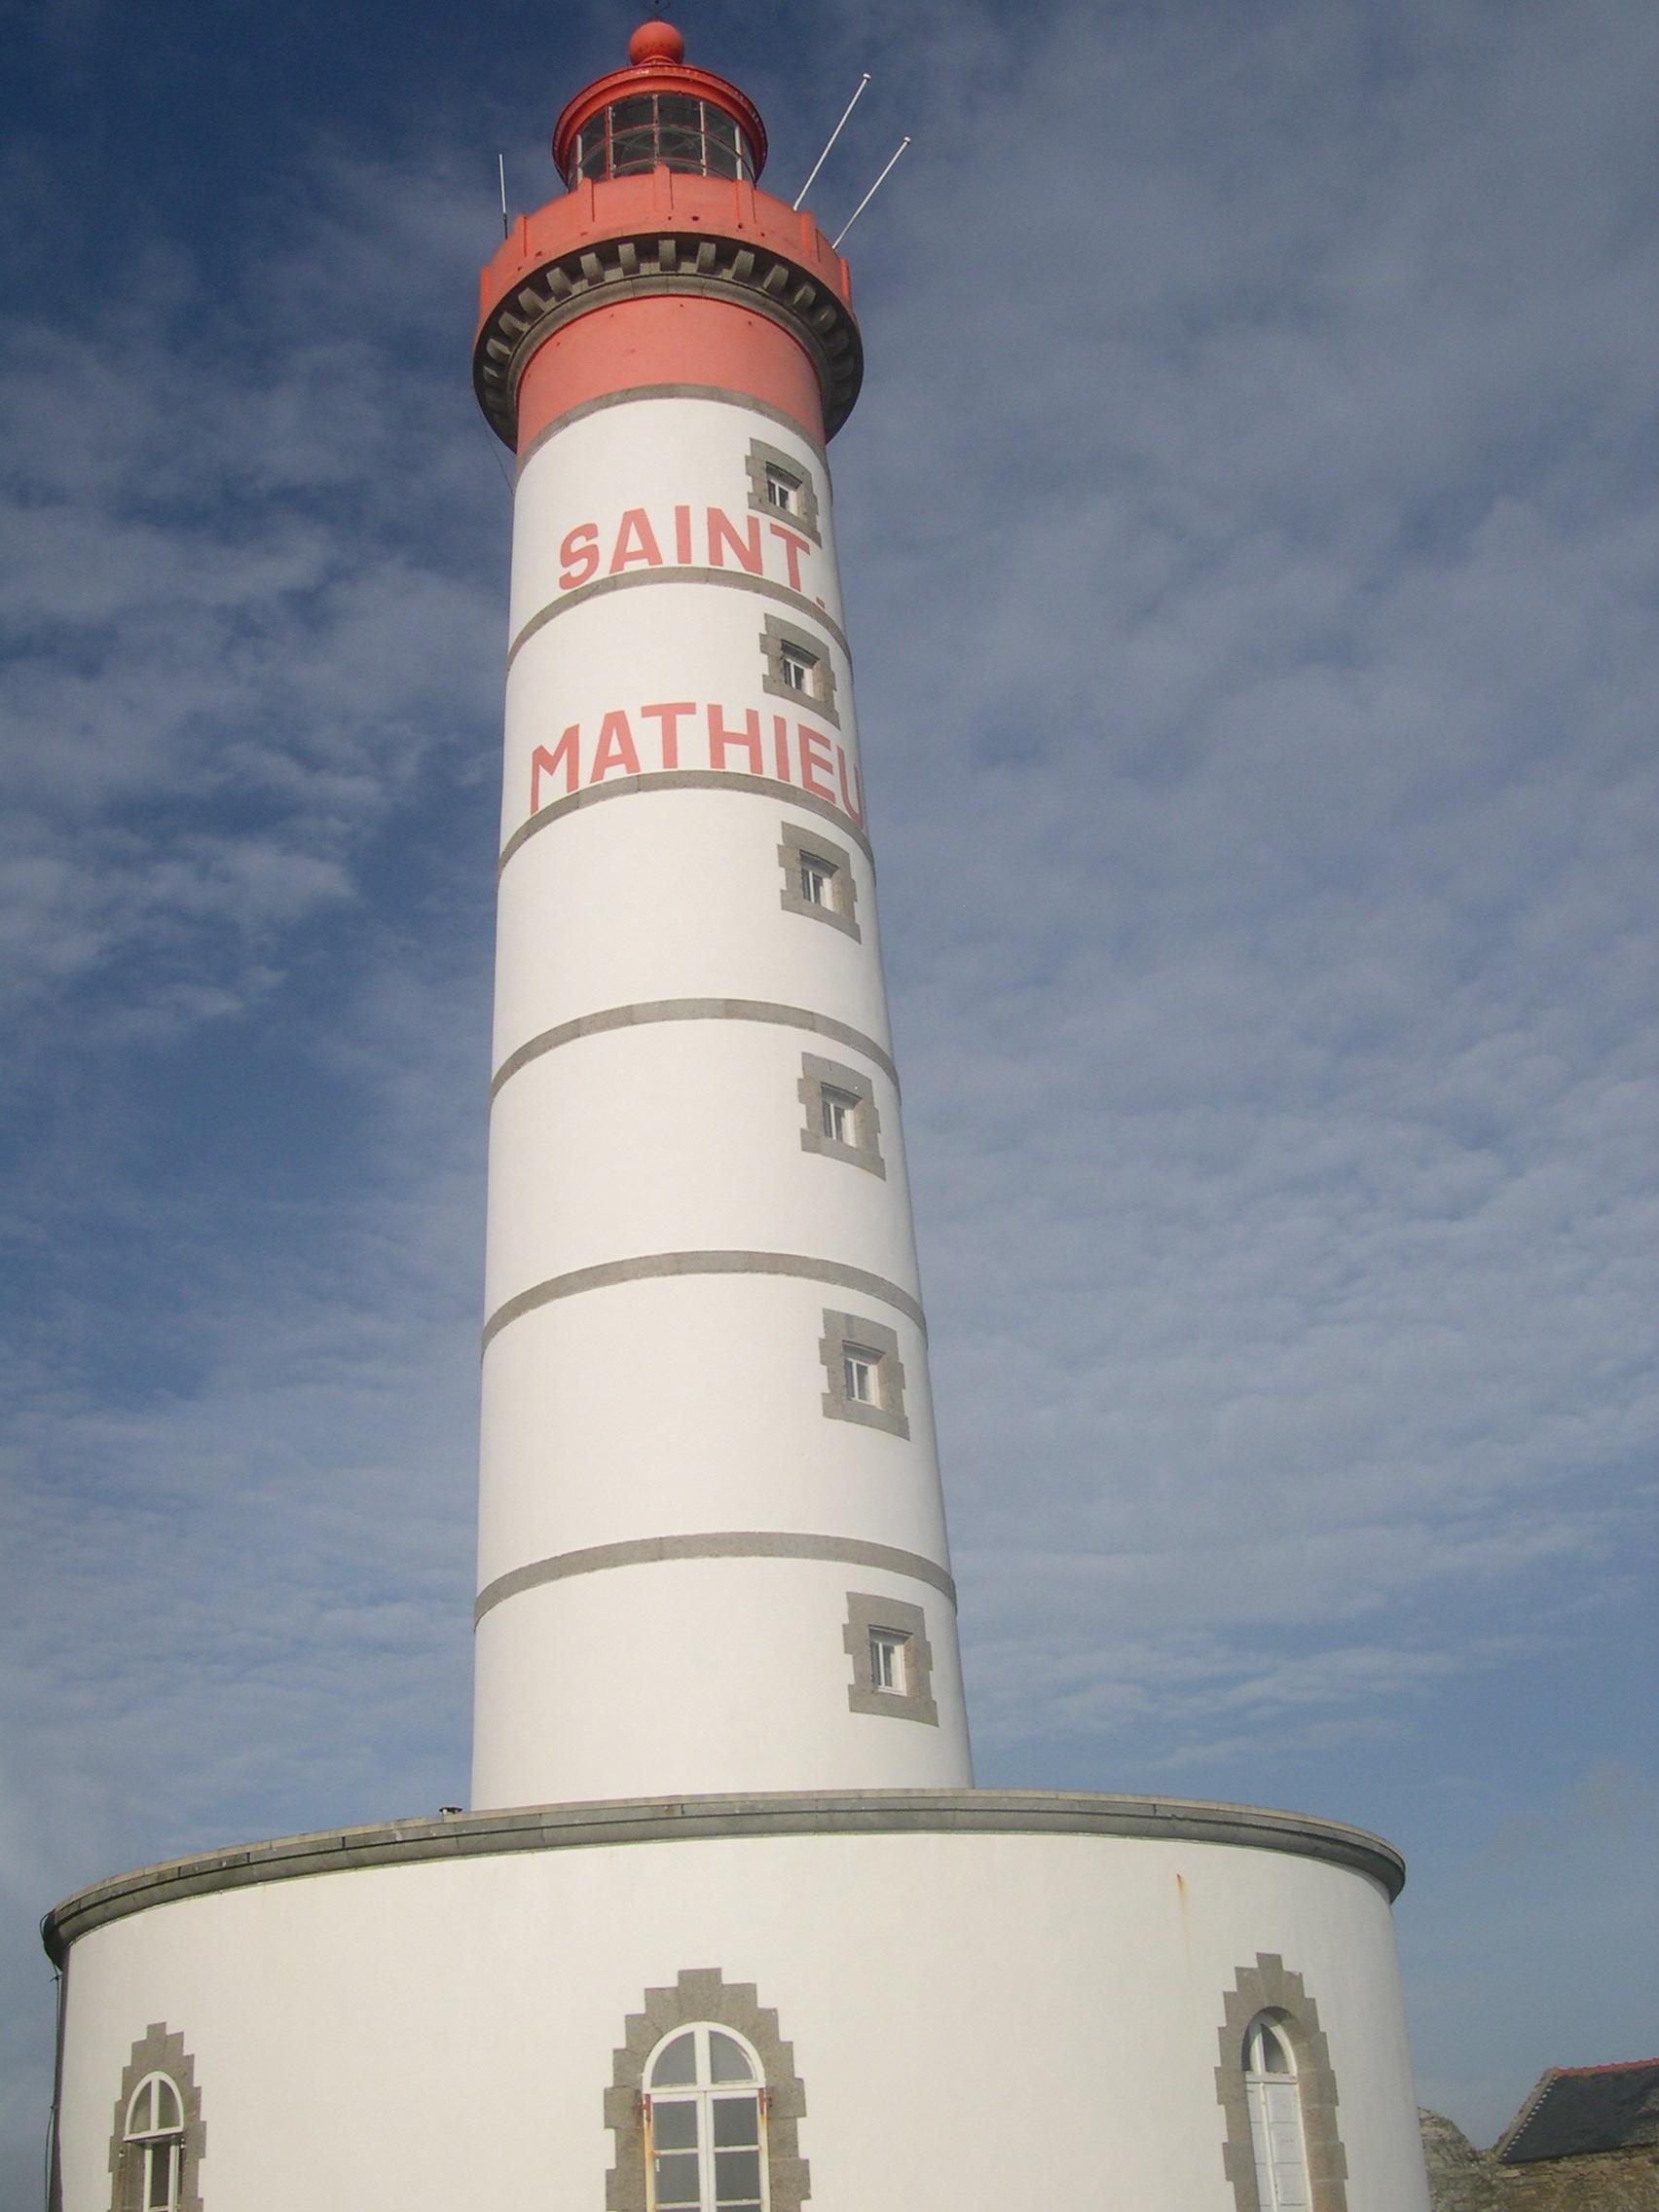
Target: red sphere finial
x,y
656,41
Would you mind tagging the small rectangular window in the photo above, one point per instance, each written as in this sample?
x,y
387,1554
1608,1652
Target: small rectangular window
x,y
887,1642
817,878
863,1372
784,483
887,1660
798,667
841,1121
858,1367
839,1116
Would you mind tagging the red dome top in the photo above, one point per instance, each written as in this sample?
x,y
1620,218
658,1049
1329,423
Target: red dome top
x,y
656,41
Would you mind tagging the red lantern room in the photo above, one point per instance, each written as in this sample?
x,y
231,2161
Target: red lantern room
x,y
659,114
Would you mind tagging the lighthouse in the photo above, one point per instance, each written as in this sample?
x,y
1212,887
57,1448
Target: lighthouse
x,y
728,1925
712,1541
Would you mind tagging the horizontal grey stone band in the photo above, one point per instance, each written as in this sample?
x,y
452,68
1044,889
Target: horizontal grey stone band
x,y
701,1819
655,1266
685,780
734,579
724,1543
721,393
694,1010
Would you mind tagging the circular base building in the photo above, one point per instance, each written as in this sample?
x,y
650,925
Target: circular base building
x,y
883,1999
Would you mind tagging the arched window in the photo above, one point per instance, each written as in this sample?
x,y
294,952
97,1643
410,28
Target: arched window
x,y
1284,2149
153,2142
705,2115
1273,2097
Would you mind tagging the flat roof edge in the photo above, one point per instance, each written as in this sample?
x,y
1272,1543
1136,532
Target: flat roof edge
x,y
749,1814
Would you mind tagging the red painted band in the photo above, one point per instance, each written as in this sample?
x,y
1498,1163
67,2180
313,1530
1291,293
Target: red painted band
x,y
668,339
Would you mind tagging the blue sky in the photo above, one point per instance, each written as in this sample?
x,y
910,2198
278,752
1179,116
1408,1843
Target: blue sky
x,y
1250,548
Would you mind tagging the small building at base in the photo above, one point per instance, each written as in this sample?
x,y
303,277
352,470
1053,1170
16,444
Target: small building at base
x,y
975,1998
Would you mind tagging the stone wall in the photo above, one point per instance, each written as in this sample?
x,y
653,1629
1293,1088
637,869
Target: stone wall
x,y
1463,2178
1460,2178
1596,2181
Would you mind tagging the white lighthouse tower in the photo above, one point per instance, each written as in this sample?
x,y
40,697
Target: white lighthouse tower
x,y
712,1547
727,1928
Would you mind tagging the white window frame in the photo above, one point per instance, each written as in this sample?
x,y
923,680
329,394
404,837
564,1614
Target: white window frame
x,y
860,1371
817,881
799,669
888,1672
838,1114
783,488
702,2094
1279,2136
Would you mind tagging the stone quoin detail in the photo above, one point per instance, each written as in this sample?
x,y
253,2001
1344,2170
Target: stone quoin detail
x,y
158,2050
912,1697
1267,1987
790,651
702,1994
818,879
766,465
851,1341
842,1122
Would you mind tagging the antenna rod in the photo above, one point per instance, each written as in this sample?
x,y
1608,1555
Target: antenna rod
x,y
833,135
867,198
502,165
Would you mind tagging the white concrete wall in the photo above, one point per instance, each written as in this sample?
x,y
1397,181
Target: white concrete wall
x,y
693,1405
743,1684
979,2021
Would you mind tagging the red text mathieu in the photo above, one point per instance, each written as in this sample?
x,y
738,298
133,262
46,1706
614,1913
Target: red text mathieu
x,y
679,733
682,538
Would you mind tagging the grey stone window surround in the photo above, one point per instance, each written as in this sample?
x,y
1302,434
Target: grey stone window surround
x,y
821,698
760,458
702,1994
846,1332
816,1076
157,2050
796,844
915,1702
1268,1988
